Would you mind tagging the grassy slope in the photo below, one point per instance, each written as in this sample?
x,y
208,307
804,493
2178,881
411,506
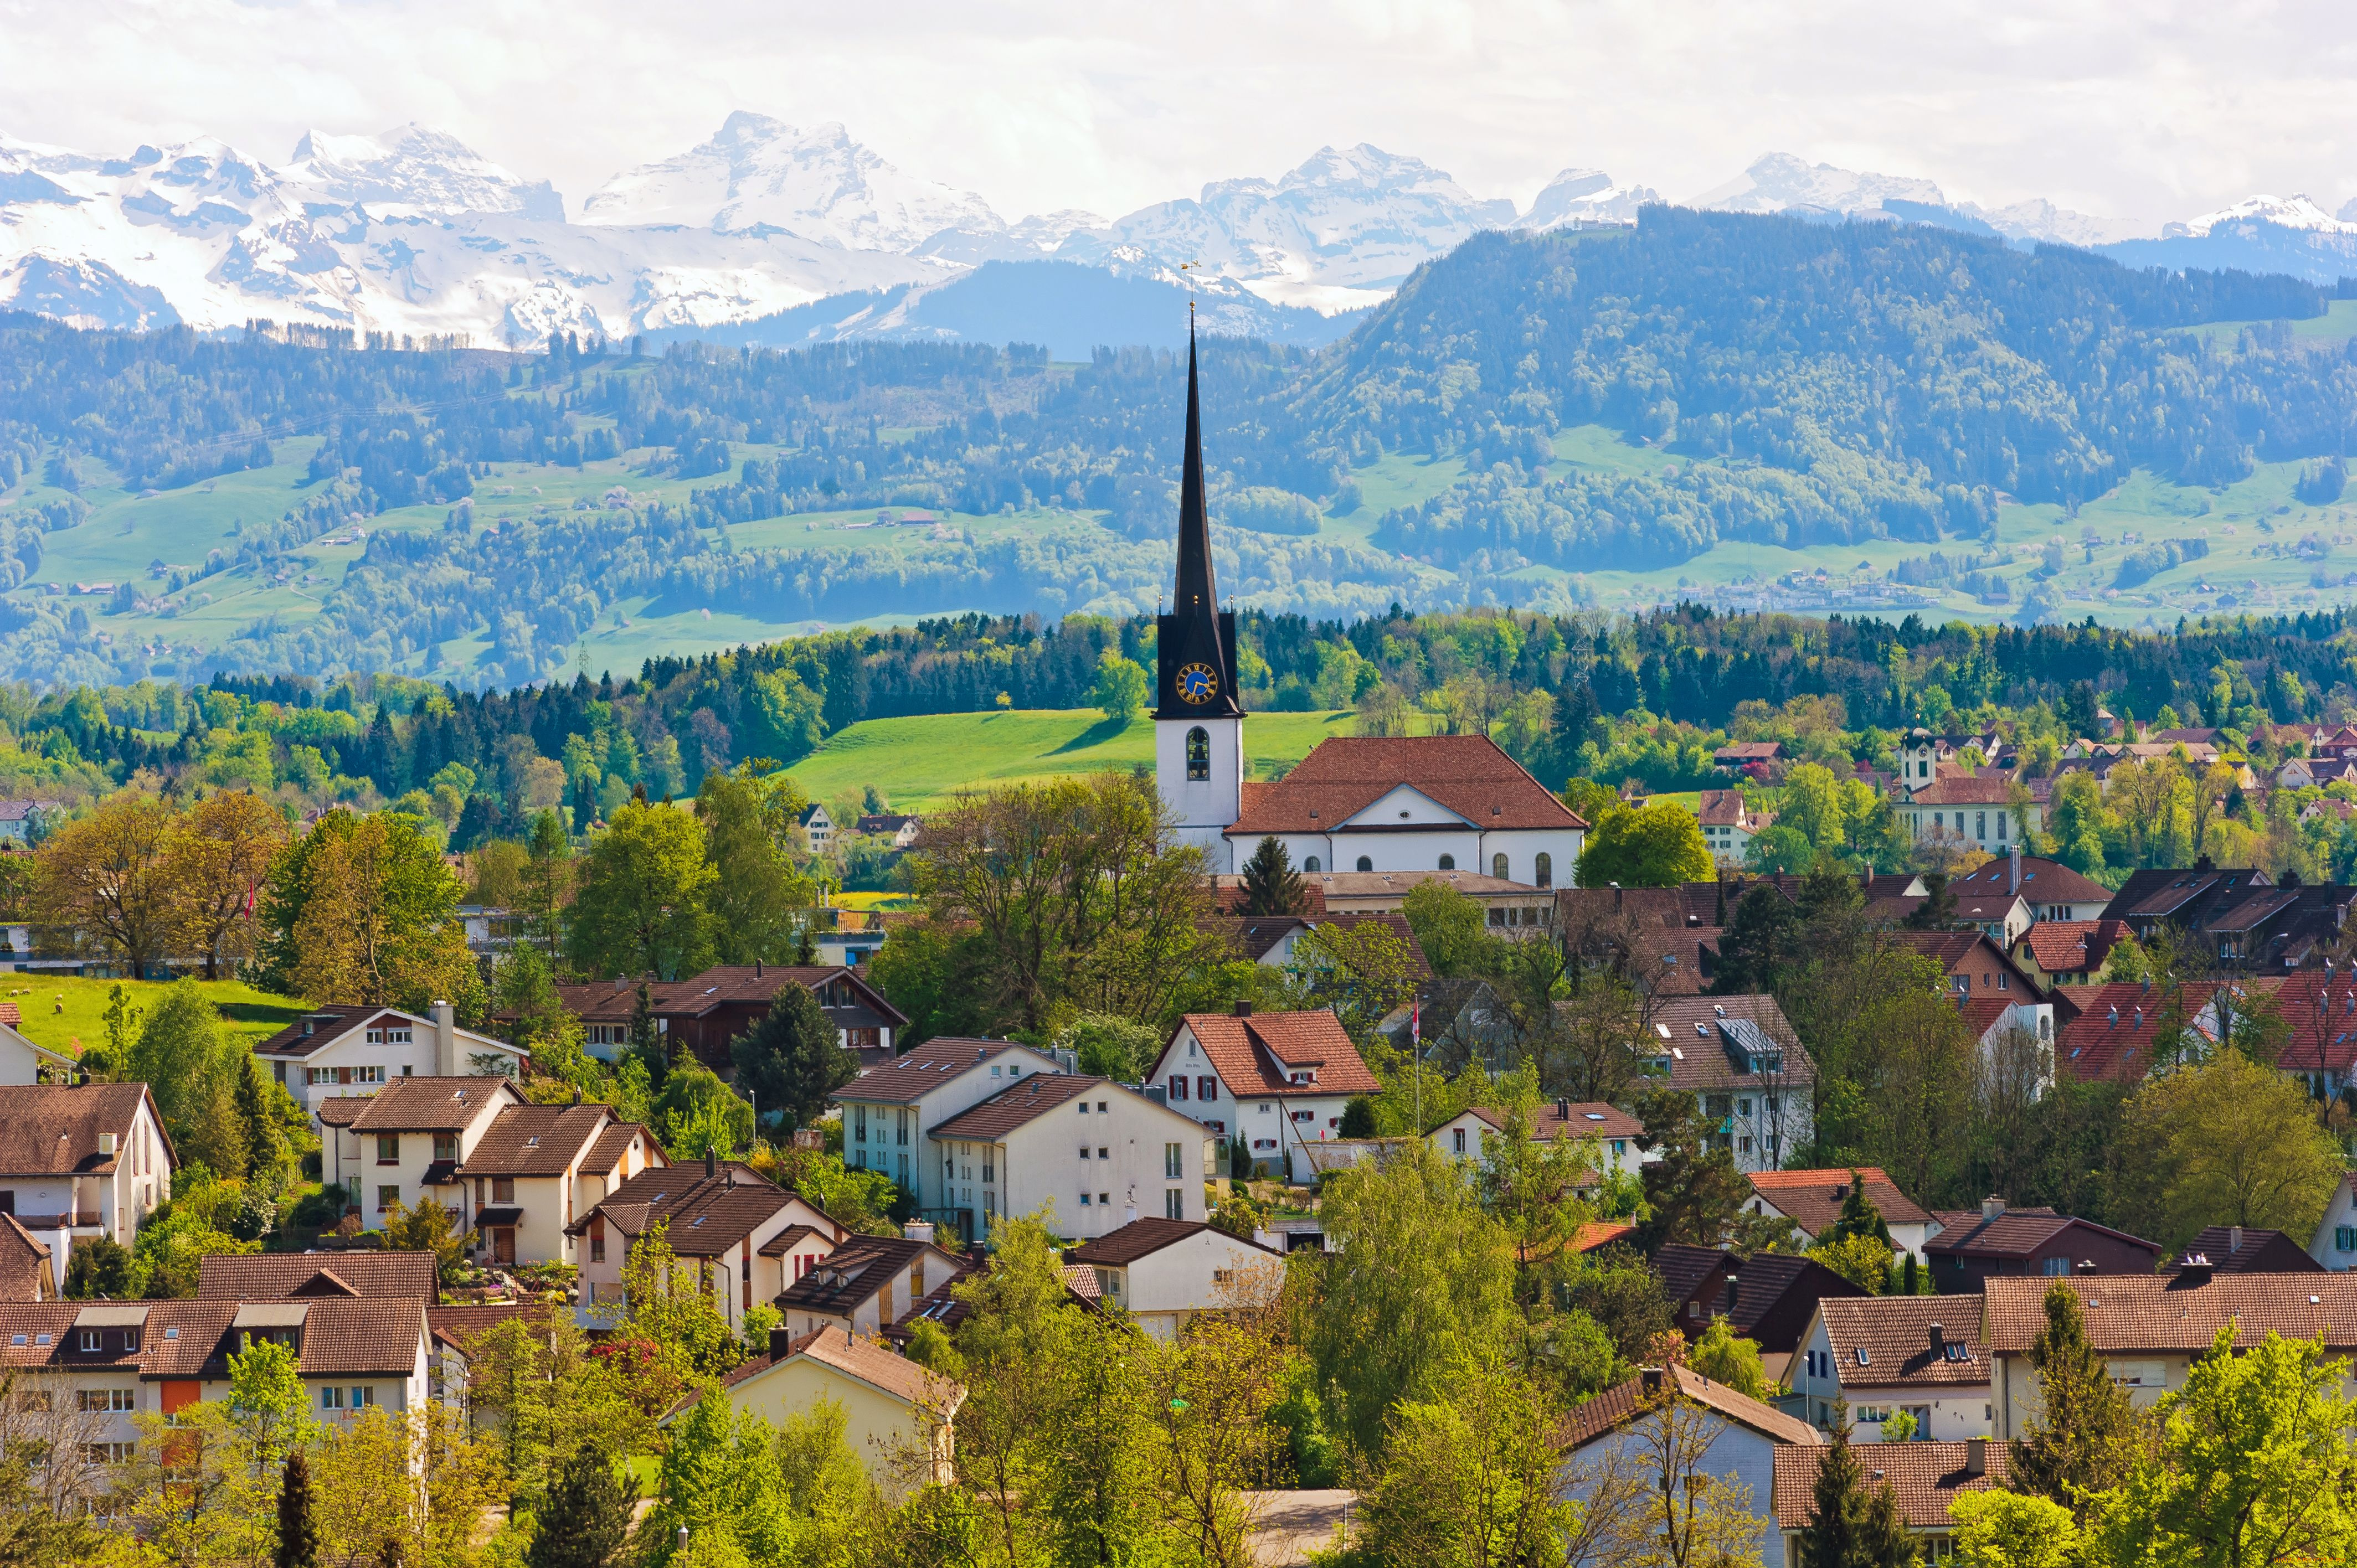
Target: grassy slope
x,y
248,1013
920,762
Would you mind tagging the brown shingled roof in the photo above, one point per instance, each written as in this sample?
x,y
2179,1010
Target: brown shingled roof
x,y
2072,947
2175,1312
536,1140
2015,1233
1256,1055
1020,1102
26,1266
1139,1239
854,1356
919,1070
1618,1406
47,1128
429,1104
1691,1031
1813,1199
270,1276
1577,1119
1925,1479
1343,775
1894,1333
858,1268
1952,790
2043,881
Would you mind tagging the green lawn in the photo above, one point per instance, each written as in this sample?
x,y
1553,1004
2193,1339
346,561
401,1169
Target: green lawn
x,y
65,1014
920,762
2337,323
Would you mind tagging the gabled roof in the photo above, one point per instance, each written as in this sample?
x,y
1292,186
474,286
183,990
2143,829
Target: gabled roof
x,y
2016,1234
429,1104
1924,1478
704,1215
2164,892
1813,1199
457,1326
615,1142
1885,1341
2072,946
1702,1037
1685,1270
1568,1119
615,1000
1142,1238
2178,1312
1343,775
854,1356
1961,952
1619,1406
1728,809
1256,1055
2043,881
183,1339
323,1024
855,1270
1954,790
2235,1248
271,1276
28,1269
916,1072
1253,935
51,1128
537,1140
1020,1103
2113,1031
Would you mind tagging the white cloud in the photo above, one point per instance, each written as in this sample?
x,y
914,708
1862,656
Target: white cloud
x,y
2147,112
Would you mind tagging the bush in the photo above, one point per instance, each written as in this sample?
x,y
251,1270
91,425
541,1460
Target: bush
x,y
1263,510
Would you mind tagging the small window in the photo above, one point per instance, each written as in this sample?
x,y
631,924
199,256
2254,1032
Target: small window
x,y
388,1148
90,1339
2344,1237
503,1189
1498,868
1543,871
1199,754
1311,865
1448,862
1366,863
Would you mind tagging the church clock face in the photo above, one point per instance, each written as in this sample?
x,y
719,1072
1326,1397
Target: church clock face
x,y
1197,684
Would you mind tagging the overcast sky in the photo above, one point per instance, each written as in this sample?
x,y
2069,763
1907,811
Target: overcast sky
x,y
2139,109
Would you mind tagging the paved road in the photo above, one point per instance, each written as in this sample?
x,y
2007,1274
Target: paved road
x,y
1295,1524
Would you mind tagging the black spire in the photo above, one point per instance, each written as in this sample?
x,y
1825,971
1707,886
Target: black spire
x,y
1197,589
1195,644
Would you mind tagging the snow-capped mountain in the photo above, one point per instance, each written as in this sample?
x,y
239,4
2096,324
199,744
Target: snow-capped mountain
x,y
1782,183
1578,195
762,173
2280,211
419,170
1337,233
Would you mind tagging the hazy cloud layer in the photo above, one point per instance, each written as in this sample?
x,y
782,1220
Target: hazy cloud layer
x,y
2149,112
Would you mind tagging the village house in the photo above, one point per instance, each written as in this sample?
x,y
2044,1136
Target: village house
x,y
2335,1246
1087,1153
1975,965
1812,1202
1273,1081
2048,889
1924,1478
1739,1057
536,1168
21,821
2151,1328
2067,953
1767,1298
899,827
1165,1273
1970,1248
1618,1137
339,1050
818,829
1888,1355
1509,909
89,1159
1730,824
735,1238
705,1012
865,1284
888,1111
1969,812
403,1143
898,1417
2244,1249
24,1062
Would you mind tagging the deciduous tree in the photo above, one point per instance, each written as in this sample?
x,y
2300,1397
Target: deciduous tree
x,y
1658,844
108,878
641,907
218,855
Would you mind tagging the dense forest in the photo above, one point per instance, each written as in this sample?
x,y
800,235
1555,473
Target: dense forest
x,y
1813,383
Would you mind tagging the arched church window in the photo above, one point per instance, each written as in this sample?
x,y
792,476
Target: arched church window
x,y
1366,863
1309,863
1543,870
1198,753
1448,862
1498,868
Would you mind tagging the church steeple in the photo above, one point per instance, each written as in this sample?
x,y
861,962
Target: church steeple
x,y
1195,645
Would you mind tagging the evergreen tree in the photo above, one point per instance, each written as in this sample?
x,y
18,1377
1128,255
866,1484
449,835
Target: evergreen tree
x,y
253,1104
1858,1217
1271,885
1851,1526
1758,944
1693,1193
586,1519
794,1059
2087,1434
1938,912
298,1531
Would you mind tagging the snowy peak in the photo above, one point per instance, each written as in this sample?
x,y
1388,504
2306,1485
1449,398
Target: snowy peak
x,y
422,169
2283,212
759,174
1782,183
1578,195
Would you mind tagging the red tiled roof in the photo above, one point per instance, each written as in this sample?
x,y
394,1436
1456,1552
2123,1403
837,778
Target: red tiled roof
x,y
1950,789
2113,1033
9,1015
2072,947
2174,1311
270,1276
2043,881
1597,1233
456,1325
27,1270
2320,1011
1690,1030
1722,809
430,1105
1618,1406
1895,1334
1813,1199
1925,1479
1343,775
1254,1056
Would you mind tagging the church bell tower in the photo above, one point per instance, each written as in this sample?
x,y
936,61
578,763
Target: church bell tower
x,y
1198,719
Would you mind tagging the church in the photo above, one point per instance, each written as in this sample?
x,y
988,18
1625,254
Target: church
x,y
1422,803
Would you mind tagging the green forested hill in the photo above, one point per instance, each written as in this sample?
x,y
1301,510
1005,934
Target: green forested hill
x,y
1698,404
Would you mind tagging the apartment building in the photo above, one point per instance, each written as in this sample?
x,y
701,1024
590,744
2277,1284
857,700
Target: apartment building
x,y
338,1051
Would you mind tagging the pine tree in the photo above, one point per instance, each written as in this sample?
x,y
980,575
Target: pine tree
x,y
1271,885
298,1531
586,1519
793,1059
1858,1217
1850,1524
1937,912
253,1115
2087,1434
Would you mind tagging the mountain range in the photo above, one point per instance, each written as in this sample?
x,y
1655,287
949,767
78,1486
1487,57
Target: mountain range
x,y
771,233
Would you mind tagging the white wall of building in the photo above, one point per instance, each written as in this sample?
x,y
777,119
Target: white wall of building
x,y
1117,1154
1204,807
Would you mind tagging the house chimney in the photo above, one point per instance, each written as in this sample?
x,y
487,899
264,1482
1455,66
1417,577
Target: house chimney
x,y
2234,1239
2013,875
1976,1455
445,1039
781,1344
1939,1343
757,968
1562,1110
711,1163
918,1230
60,1253
1991,1207
1243,1009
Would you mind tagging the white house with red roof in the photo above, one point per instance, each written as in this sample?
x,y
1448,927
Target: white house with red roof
x,y
888,1111
1619,1137
1086,1154
1274,1081
1166,1273
339,1050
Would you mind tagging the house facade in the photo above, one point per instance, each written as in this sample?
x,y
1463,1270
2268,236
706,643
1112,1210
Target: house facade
x,y
1087,1155
1730,824
1273,1081
898,1417
887,1112
1971,1249
1888,1355
404,1143
866,1283
1741,1060
88,1159
705,1012
735,1238
342,1051
1814,1200
1165,1273
1619,1137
